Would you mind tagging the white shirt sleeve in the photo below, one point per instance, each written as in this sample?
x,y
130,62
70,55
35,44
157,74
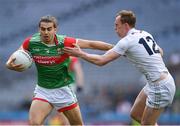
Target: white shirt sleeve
x,y
121,47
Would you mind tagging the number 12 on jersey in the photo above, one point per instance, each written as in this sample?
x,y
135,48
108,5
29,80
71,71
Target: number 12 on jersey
x,y
149,44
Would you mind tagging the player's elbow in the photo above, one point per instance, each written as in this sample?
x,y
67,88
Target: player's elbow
x,y
161,51
101,63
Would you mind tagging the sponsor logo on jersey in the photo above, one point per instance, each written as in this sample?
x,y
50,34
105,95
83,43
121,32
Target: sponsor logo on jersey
x,y
50,60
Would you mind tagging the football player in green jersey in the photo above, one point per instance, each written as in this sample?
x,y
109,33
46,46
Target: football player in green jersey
x,y
76,70
53,89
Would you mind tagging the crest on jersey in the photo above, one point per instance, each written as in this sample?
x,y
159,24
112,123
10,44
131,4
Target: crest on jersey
x,y
60,51
47,50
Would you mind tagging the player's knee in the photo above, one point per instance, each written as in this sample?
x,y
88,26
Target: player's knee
x,y
144,122
148,122
75,122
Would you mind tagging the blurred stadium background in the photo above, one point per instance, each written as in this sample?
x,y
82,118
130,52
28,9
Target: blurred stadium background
x,y
110,90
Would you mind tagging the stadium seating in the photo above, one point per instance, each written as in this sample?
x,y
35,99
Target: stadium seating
x,y
89,19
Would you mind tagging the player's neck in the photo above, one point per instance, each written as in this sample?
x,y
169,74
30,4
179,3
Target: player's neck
x,y
49,42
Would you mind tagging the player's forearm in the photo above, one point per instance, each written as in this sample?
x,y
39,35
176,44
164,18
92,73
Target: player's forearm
x,y
90,44
93,58
101,45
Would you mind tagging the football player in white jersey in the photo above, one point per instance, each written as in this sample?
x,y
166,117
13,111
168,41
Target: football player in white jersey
x,y
142,50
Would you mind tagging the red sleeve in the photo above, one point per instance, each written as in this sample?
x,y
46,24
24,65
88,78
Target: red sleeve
x,y
68,42
25,44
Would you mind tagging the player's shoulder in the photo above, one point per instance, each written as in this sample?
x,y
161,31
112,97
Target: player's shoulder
x,y
132,37
60,36
27,39
35,37
137,34
64,38
145,33
26,43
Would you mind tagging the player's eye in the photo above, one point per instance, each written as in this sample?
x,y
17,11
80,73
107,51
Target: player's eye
x,y
43,29
49,29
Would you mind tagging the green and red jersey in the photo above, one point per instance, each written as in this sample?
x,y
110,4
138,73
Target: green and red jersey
x,y
51,63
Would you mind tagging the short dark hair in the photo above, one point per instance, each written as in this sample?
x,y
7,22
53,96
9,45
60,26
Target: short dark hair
x,y
49,18
127,17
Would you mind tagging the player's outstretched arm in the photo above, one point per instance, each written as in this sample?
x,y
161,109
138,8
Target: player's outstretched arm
x,y
90,44
99,60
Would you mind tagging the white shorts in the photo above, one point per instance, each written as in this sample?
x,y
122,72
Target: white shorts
x,y
61,99
160,94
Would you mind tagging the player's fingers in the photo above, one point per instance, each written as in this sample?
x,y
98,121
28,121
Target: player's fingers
x,y
9,64
70,51
11,60
16,67
76,45
19,67
66,50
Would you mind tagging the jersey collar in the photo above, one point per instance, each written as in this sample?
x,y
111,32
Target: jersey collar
x,y
56,40
131,31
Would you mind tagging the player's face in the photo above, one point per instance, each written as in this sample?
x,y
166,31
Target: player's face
x,y
119,27
47,31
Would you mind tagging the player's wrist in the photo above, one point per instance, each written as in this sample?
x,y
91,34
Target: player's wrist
x,y
83,55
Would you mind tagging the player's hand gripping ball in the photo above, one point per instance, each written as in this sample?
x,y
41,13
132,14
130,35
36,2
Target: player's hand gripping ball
x,y
23,57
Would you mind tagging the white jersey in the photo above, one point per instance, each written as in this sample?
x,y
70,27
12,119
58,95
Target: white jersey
x,y
142,50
